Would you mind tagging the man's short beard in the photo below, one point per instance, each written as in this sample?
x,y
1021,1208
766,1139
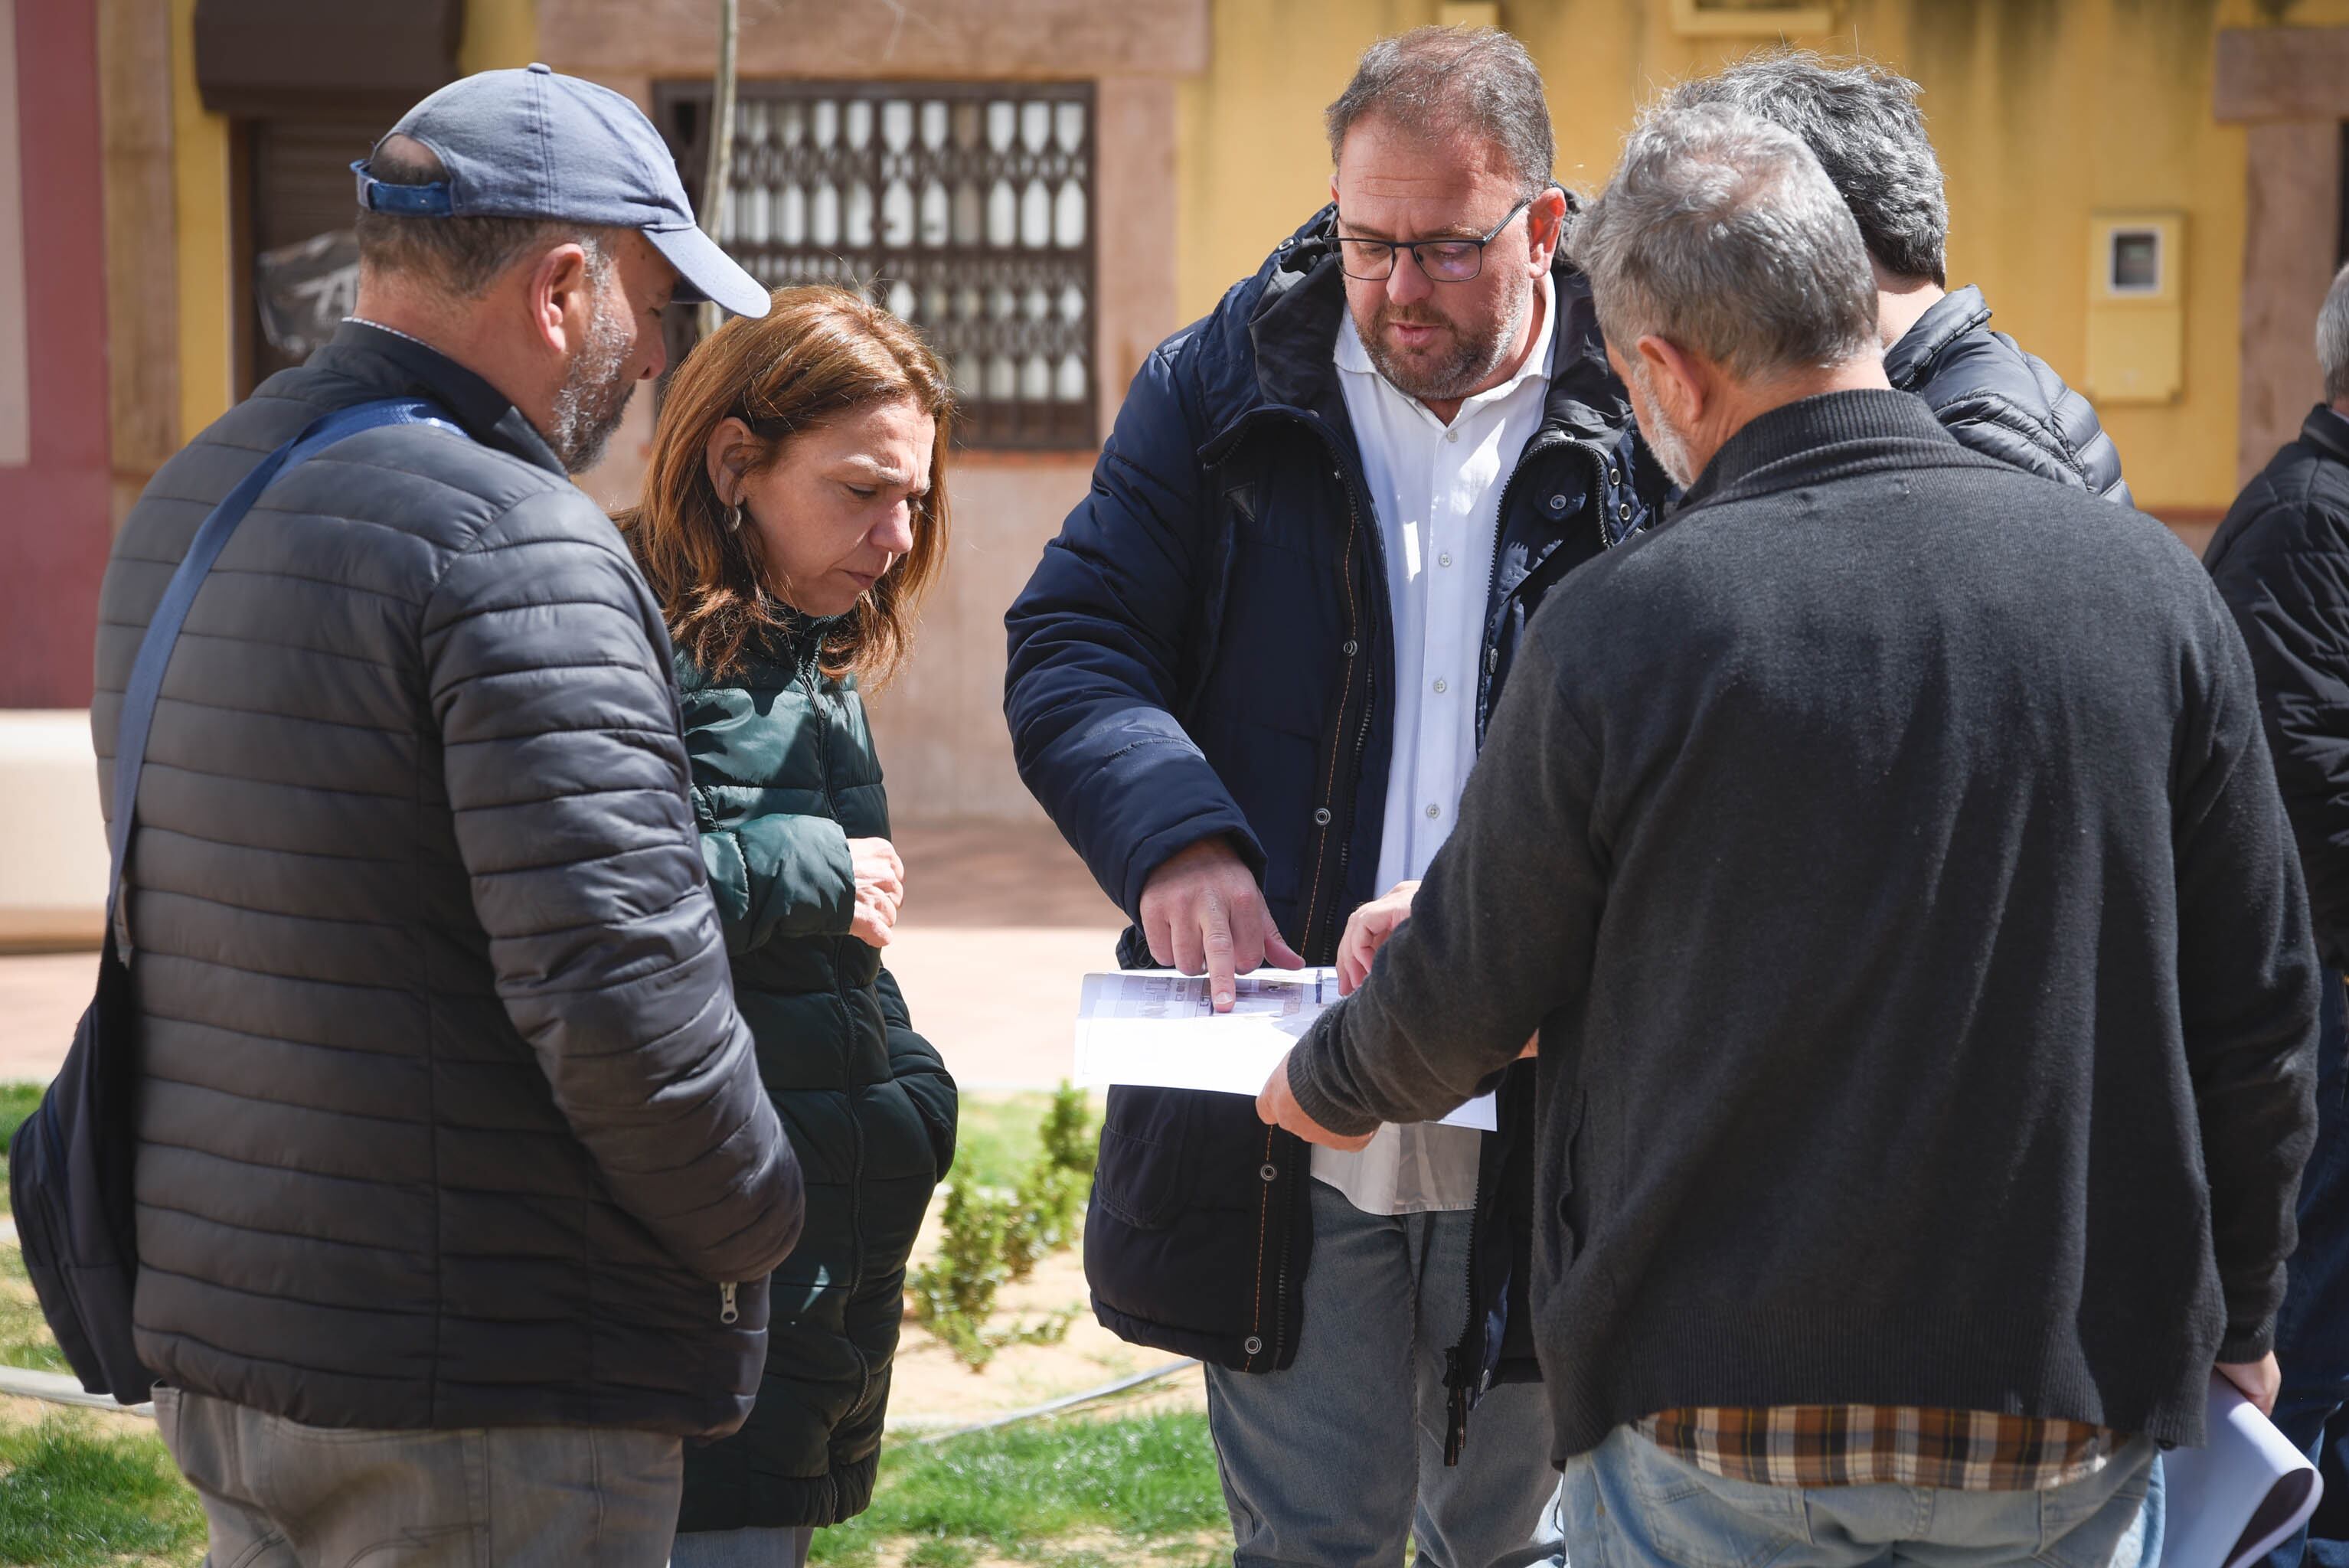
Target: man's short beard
x,y
1656,427
1456,375
595,392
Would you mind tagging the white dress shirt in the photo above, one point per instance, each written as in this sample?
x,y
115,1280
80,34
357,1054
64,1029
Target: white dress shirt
x,y
1436,491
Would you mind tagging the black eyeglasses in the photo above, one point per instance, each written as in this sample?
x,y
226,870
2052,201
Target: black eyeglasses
x,y
1440,260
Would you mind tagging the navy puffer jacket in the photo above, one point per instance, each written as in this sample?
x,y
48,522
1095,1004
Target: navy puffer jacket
x,y
1207,649
2002,401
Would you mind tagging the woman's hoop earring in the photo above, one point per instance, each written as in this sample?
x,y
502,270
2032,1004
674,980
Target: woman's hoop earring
x,y
734,518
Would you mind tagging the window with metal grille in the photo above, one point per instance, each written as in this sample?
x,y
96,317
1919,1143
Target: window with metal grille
x,y
966,208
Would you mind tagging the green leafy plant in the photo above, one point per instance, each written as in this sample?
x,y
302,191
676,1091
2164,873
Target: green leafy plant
x,y
989,1238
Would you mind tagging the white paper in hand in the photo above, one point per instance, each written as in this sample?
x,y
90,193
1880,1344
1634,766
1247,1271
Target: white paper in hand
x,y
1159,1029
2241,1495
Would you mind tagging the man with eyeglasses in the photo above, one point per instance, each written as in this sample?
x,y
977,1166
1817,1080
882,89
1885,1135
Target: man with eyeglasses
x,y
1248,680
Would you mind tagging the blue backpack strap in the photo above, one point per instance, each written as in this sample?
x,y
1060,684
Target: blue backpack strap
x,y
146,681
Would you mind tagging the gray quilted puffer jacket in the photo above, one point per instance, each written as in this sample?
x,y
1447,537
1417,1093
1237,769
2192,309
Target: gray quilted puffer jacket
x,y
447,1118
2001,401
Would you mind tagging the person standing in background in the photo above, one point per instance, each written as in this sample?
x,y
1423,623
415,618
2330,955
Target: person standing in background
x,y
2282,561
1862,123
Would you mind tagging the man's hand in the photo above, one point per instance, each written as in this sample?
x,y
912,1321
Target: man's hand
x,y
880,890
1278,1106
2261,1381
1367,931
1203,912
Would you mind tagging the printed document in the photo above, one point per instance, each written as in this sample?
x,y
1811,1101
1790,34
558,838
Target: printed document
x,y
1157,1028
2239,1496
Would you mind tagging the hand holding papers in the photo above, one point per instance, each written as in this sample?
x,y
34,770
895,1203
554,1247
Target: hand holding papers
x,y
2241,1495
1158,1028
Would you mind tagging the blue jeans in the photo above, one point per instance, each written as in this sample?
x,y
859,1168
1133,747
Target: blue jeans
x,y
2313,1329
784,1547
1628,1504
1338,1460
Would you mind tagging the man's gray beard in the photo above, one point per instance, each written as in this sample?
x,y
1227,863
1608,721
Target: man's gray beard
x,y
1668,445
1471,363
593,397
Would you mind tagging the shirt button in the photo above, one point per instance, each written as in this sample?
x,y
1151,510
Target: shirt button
x,y
1440,687
1433,809
1443,560
1558,503
1451,435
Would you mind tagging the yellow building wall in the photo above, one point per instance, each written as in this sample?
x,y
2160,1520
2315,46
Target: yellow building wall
x,y
2043,111
200,176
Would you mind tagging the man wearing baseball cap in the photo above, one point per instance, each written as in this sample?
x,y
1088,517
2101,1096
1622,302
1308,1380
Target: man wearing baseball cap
x,y
457,1191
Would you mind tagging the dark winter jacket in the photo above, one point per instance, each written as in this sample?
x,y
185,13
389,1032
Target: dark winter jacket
x,y
1207,649
447,1116
784,776
1886,849
2001,401
2281,560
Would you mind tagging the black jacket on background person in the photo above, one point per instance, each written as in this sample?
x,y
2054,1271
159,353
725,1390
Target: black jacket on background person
x,y
2281,560
1891,862
446,1116
2001,401
1207,649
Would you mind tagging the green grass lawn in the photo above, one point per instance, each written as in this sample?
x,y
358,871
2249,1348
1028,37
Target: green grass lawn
x,y
1051,1493
1064,1494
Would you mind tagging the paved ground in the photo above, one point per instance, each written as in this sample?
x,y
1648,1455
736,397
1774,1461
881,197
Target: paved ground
x,y
999,924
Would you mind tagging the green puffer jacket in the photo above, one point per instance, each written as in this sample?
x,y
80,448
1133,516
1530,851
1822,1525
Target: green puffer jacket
x,y
784,776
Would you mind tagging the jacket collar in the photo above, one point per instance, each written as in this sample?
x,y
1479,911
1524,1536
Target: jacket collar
x,y
2327,432
405,367
1292,331
1908,364
1832,435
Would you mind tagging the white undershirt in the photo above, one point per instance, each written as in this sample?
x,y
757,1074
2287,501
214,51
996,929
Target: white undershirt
x,y
1435,489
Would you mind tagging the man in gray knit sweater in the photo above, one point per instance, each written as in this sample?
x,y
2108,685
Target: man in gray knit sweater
x,y
1887,850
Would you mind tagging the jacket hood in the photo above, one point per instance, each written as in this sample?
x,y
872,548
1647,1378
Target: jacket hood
x,y
1272,342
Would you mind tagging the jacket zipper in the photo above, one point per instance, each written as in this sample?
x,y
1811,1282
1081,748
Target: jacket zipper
x,y
1326,821
727,1311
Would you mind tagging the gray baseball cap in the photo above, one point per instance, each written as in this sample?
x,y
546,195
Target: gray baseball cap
x,y
532,144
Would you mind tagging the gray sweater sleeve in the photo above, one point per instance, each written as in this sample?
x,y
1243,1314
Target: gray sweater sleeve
x,y
567,781
1500,934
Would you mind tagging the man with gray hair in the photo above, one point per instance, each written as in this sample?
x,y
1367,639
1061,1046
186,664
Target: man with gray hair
x,y
2281,560
1862,123
1247,681
1886,849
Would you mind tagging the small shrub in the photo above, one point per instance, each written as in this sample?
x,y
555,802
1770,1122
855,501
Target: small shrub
x,y
989,1238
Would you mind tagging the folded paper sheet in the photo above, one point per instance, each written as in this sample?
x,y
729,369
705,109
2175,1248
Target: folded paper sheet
x,y
1158,1028
2241,1495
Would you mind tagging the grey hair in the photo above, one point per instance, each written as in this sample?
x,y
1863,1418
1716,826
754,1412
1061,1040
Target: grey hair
x,y
1439,81
2332,338
1720,233
1862,123
461,257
